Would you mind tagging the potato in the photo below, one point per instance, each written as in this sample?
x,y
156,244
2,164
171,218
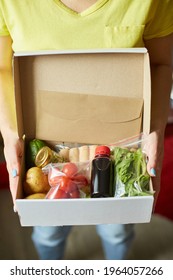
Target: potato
x,y
36,181
36,196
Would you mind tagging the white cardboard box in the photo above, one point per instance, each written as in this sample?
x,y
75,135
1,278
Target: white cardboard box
x,y
94,97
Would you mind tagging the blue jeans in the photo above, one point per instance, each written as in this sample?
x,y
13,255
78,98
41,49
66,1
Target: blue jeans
x,y
50,241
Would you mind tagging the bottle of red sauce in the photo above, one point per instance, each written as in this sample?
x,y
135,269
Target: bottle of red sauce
x,y
101,173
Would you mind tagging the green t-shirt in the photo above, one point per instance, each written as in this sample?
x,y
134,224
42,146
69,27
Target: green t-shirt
x,y
49,24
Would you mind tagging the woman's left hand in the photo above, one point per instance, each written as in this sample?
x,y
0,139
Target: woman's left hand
x,y
154,149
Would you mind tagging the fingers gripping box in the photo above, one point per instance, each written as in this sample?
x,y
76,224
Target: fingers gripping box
x,y
94,97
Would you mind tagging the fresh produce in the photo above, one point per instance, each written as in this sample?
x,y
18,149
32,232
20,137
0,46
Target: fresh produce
x,y
36,196
60,194
66,188
67,185
75,194
80,179
32,149
83,184
36,181
70,169
56,193
54,176
130,177
67,181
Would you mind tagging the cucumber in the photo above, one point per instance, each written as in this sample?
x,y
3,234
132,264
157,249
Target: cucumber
x,y
33,147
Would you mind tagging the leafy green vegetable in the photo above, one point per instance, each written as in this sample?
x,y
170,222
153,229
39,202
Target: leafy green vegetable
x,y
130,173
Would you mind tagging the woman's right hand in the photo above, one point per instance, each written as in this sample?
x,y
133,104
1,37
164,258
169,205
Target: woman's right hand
x,y
13,147
13,152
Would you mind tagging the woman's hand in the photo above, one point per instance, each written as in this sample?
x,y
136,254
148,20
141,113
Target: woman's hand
x,y
13,151
154,149
13,147
161,83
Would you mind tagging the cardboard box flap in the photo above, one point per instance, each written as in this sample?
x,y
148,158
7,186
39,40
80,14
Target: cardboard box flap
x,y
87,113
82,97
73,106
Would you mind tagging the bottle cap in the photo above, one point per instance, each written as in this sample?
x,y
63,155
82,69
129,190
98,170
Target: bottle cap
x,y
102,150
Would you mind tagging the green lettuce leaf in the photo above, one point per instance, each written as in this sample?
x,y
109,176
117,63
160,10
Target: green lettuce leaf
x,y
130,173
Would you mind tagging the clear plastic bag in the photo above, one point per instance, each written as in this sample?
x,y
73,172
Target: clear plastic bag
x,y
130,167
68,180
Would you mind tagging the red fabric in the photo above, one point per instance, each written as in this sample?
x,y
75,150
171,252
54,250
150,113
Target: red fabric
x,y
4,182
164,204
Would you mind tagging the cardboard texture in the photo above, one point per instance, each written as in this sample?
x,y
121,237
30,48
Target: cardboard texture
x,y
94,97
87,116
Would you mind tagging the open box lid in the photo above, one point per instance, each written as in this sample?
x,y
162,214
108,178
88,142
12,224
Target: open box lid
x,y
94,96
